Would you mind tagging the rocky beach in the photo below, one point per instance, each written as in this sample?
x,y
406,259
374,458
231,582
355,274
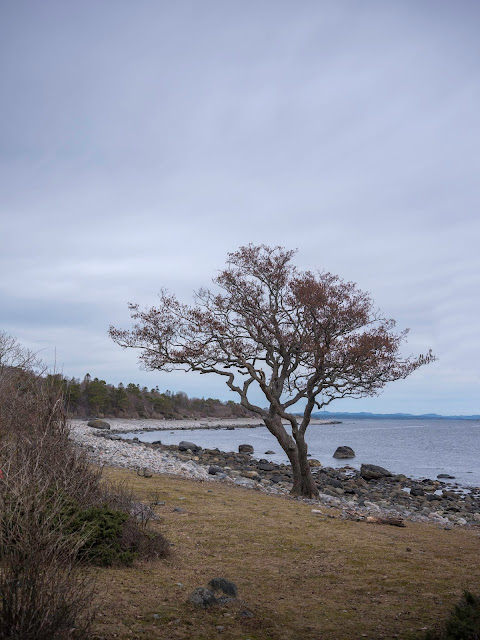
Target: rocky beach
x,y
371,492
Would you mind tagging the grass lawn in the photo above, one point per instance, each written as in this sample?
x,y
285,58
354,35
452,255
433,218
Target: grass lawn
x,y
303,576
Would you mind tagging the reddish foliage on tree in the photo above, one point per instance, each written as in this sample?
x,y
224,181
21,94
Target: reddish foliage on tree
x,y
297,336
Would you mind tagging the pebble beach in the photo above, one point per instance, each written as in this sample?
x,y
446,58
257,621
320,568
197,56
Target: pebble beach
x,y
396,497
121,453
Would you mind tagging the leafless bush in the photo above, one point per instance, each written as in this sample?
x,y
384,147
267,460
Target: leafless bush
x,y
137,534
145,542
45,484
43,592
33,427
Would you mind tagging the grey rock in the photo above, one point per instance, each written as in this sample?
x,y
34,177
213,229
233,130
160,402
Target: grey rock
x,y
269,452
184,445
226,586
333,482
98,424
417,491
449,494
245,448
344,453
250,474
373,472
213,470
446,476
266,466
202,598
244,482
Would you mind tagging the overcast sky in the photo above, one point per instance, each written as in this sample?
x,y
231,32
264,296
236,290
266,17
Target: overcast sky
x,y
142,141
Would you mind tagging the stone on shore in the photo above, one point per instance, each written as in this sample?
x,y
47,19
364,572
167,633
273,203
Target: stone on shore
x,y
344,453
417,491
266,466
373,472
214,470
98,424
245,482
245,448
184,445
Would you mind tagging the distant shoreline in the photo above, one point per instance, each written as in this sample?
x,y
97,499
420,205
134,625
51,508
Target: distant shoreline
x,y
389,416
123,425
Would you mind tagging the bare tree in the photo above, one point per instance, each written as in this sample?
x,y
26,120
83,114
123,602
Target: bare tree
x,y
298,337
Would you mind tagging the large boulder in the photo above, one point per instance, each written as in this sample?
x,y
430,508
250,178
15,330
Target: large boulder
x,y
245,448
98,424
344,453
184,445
373,472
214,470
203,598
222,584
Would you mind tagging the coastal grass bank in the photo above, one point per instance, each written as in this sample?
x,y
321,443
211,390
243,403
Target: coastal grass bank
x,y
299,573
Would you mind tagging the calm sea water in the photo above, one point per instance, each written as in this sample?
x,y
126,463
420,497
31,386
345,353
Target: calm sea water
x,y
417,448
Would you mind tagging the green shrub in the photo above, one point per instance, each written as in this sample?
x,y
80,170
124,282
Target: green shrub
x,y
104,528
463,623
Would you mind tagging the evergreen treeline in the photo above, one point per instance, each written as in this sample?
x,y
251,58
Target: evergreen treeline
x,y
94,397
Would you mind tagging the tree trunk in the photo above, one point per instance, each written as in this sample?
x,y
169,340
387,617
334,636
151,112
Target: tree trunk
x,y
303,482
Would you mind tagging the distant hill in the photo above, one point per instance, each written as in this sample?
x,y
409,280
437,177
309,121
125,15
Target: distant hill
x,y
396,416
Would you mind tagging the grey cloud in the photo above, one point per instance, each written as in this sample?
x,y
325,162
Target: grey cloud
x,y
142,142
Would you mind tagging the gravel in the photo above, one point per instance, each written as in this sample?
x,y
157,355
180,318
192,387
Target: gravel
x,y
120,453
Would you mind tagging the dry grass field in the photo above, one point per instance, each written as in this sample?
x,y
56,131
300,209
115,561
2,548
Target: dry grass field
x,y
303,576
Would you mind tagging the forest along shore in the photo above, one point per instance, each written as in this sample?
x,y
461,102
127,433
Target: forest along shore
x,y
356,494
